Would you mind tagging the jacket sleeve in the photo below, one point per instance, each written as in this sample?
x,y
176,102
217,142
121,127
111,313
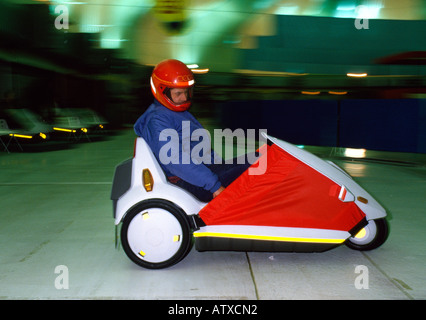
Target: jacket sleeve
x,y
168,147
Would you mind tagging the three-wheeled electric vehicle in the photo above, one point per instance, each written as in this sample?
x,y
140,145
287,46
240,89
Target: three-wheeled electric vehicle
x,y
300,203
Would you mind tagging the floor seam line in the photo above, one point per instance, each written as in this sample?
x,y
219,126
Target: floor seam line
x,y
252,276
395,283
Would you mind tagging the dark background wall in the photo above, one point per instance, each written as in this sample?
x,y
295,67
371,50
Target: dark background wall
x,y
376,124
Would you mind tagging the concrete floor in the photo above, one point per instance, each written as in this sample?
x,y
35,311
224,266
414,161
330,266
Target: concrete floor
x,y
55,211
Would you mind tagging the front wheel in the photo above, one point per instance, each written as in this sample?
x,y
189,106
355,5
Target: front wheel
x,y
372,236
156,234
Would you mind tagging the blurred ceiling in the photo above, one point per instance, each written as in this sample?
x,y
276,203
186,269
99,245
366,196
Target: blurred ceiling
x,y
385,38
375,9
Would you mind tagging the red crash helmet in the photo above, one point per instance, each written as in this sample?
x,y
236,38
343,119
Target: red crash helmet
x,y
170,74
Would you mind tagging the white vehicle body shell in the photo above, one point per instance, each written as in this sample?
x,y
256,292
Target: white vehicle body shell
x,y
145,159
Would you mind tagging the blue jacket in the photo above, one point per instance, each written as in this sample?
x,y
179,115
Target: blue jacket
x,y
152,125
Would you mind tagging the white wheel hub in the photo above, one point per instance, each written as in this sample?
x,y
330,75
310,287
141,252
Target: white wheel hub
x,y
366,235
154,235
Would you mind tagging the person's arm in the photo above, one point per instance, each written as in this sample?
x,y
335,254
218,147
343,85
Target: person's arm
x,y
170,156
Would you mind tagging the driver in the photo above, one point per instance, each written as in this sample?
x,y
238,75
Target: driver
x,y
172,85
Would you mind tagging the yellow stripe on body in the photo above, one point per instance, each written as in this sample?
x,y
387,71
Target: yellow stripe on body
x,y
270,238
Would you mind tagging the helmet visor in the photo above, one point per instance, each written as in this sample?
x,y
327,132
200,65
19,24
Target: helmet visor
x,y
179,96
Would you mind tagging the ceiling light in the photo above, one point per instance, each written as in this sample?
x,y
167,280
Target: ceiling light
x,y
338,92
356,75
311,92
200,71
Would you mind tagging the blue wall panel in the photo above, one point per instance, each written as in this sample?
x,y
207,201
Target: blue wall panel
x,y
421,142
311,122
388,125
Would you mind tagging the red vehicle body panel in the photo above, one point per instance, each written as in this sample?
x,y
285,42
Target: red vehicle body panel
x,y
289,194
